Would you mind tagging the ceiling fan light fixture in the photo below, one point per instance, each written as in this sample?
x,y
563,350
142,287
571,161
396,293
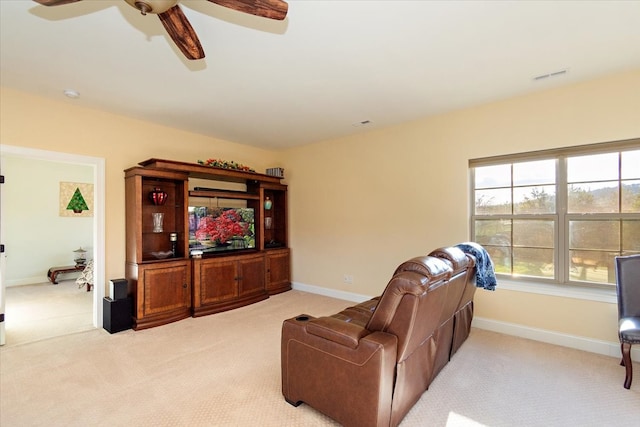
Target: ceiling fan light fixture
x,y
177,25
152,6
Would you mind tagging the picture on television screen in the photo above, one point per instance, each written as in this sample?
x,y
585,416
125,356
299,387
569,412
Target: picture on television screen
x,y
221,229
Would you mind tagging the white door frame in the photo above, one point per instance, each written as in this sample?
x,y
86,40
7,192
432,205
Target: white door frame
x,y
2,286
98,165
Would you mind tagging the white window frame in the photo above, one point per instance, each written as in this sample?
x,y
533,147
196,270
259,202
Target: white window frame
x,y
563,286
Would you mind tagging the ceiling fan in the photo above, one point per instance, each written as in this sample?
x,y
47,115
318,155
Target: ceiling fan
x,y
177,24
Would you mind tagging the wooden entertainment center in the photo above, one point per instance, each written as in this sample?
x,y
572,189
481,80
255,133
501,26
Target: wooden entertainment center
x,y
166,280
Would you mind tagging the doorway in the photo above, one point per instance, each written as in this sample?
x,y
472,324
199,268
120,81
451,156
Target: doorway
x,y
97,224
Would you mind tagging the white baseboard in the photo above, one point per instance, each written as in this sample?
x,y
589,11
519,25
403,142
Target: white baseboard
x,y
26,281
333,293
606,348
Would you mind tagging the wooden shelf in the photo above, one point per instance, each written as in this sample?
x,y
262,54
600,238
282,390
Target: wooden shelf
x,y
196,170
170,289
224,194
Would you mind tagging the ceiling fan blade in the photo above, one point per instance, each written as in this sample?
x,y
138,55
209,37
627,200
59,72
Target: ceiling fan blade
x,y
272,9
181,32
54,2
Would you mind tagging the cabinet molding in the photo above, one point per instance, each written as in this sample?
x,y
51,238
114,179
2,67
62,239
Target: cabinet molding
x,y
229,282
161,292
277,262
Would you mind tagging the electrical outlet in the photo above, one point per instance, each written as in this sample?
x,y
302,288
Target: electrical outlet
x,y
348,279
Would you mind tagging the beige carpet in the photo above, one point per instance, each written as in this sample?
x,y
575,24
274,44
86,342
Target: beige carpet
x,y
43,310
224,370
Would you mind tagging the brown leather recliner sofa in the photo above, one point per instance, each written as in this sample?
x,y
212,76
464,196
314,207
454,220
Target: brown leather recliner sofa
x,y
369,364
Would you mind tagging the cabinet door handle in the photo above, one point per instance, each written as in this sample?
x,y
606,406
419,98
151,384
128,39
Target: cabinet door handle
x,y
184,286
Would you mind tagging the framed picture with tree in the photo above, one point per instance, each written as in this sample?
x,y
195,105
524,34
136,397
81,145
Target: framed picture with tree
x,y
76,199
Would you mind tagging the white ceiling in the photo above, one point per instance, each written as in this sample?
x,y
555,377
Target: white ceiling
x,y
328,65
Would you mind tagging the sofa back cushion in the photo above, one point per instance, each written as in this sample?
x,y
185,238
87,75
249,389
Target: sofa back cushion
x,y
411,305
464,310
461,269
460,262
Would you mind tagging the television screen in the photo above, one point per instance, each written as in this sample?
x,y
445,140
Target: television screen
x,y
221,229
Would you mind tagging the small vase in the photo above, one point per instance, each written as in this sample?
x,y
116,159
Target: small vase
x,y
158,197
158,217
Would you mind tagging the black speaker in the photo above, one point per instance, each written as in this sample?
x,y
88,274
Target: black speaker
x,y
116,314
118,289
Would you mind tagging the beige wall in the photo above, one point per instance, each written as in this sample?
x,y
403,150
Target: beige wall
x,y
363,204
62,126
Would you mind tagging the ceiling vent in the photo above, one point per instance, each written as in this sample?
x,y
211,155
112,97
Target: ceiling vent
x,y
549,75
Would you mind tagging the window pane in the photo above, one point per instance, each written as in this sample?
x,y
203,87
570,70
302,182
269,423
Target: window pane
x,y
533,233
534,173
630,236
501,257
631,196
598,167
519,212
493,176
534,200
601,197
493,202
493,232
533,262
630,162
592,266
594,235
495,236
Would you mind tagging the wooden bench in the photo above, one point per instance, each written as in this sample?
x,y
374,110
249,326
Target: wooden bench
x,y
53,272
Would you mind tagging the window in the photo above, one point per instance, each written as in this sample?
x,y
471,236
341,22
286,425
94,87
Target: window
x,y
559,216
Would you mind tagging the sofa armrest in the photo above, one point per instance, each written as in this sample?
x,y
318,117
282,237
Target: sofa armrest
x,y
321,367
338,342
336,330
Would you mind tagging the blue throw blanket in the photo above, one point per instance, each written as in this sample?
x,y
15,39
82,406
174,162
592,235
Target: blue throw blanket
x,y
485,273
